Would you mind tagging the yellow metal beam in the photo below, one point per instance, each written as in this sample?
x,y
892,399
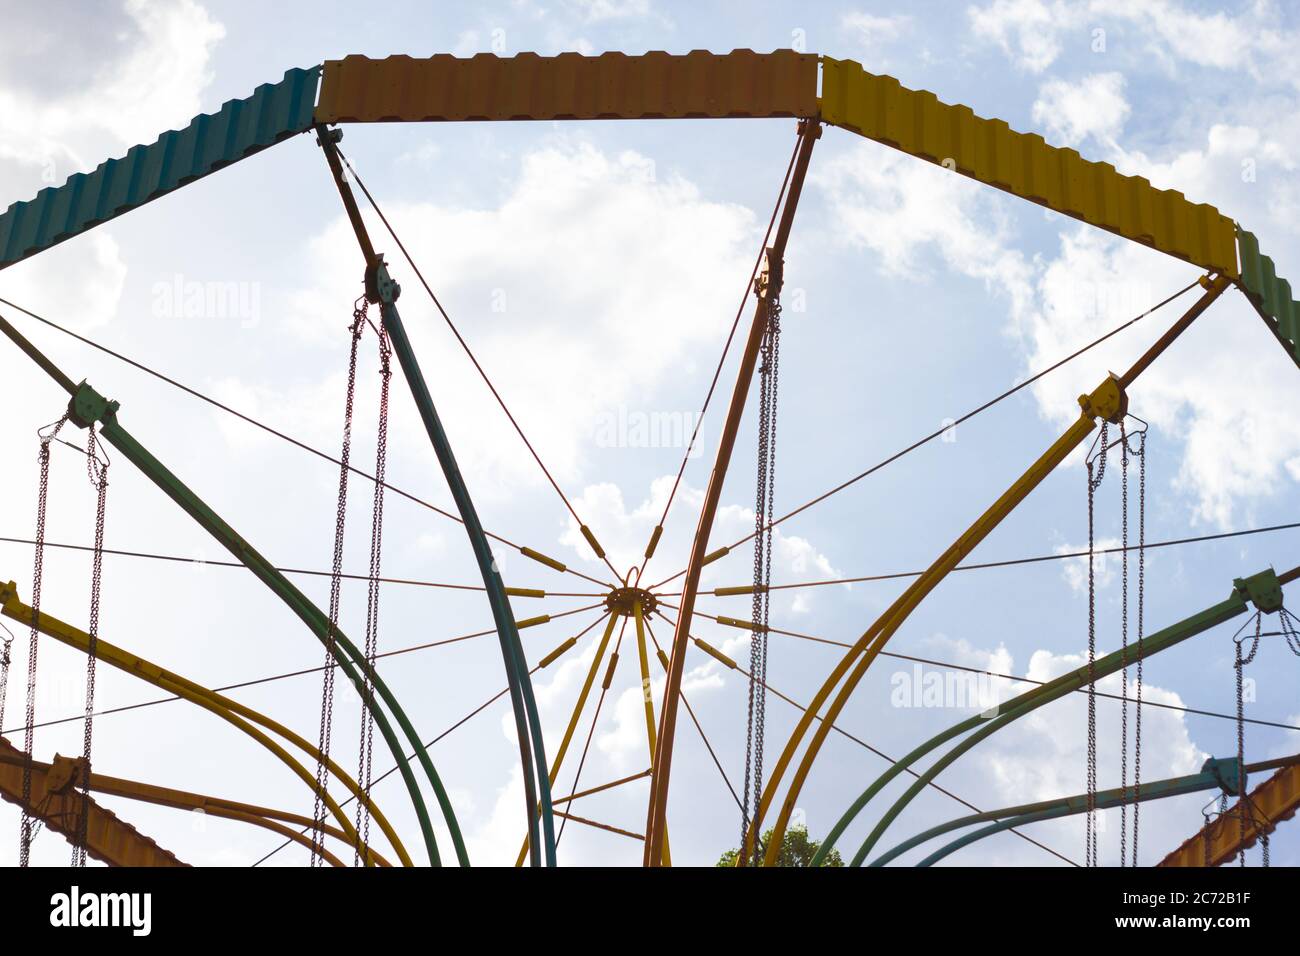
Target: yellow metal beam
x,y
576,715
229,710
648,698
916,122
56,802
1274,800
1108,402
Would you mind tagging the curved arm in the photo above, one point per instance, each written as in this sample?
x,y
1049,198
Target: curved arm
x,y
231,809
87,407
225,708
380,288
1257,588
1108,402
1215,773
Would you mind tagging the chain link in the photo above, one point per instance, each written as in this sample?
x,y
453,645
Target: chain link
x,y
1141,635
26,831
1123,636
765,487
6,646
1239,666
336,579
1094,482
98,474
366,747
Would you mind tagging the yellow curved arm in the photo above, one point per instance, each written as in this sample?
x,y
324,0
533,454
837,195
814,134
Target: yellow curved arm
x,y
1108,402
225,708
558,759
264,817
70,769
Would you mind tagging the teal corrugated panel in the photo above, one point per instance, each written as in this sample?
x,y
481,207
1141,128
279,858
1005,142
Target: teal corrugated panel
x,y
1270,295
240,128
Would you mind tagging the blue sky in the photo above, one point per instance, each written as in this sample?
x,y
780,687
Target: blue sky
x,y
595,269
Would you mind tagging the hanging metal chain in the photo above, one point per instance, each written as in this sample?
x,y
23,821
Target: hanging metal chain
x,y
97,471
1240,665
1094,482
336,580
1141,452
366,748
6,646
765,486
1123,637
26,831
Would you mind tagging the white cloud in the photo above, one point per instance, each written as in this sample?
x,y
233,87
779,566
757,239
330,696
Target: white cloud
x,y
1233,454
594,11
1071,112
902,209
874,33
1028,29
154,86
1104,566
1043,756
1034,32
585,252
41,282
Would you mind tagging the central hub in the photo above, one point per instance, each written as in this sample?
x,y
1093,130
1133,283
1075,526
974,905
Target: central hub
x,y
624,600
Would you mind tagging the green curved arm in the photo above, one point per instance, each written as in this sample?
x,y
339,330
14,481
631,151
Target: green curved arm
x,y
380,288
349,658
87,407
1263,589
1214,773
527,723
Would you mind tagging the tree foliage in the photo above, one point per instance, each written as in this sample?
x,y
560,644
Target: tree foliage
x,y
797,849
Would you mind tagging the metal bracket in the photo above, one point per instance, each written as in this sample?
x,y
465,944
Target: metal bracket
x,y
65,773
380,286
1226,772
88,406
1263,590
767,284
1108,401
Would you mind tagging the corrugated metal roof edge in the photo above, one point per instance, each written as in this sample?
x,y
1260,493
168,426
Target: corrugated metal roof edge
x,y
26,228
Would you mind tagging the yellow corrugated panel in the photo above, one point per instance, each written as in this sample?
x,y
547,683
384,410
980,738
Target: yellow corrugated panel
x,y
879,108
568,86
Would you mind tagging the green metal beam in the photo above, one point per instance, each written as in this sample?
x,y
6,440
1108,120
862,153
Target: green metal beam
x,y
1263,589
87,407
381,289
1214,773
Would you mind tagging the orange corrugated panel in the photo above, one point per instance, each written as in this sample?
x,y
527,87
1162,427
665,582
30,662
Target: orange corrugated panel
x,y
916,122
1275,800
358,89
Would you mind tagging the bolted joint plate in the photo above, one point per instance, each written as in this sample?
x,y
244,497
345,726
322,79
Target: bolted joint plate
x,y
1108,401
380,286
623,601
1262,590
88,407
1226,772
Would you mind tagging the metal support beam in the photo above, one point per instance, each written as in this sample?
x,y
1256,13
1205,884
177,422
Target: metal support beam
x,y
1274,800
381,289
88,407
56,802
656,814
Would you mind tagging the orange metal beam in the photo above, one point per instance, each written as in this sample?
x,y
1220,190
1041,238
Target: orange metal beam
x,y
656,85
56,802
661,765
1274,800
